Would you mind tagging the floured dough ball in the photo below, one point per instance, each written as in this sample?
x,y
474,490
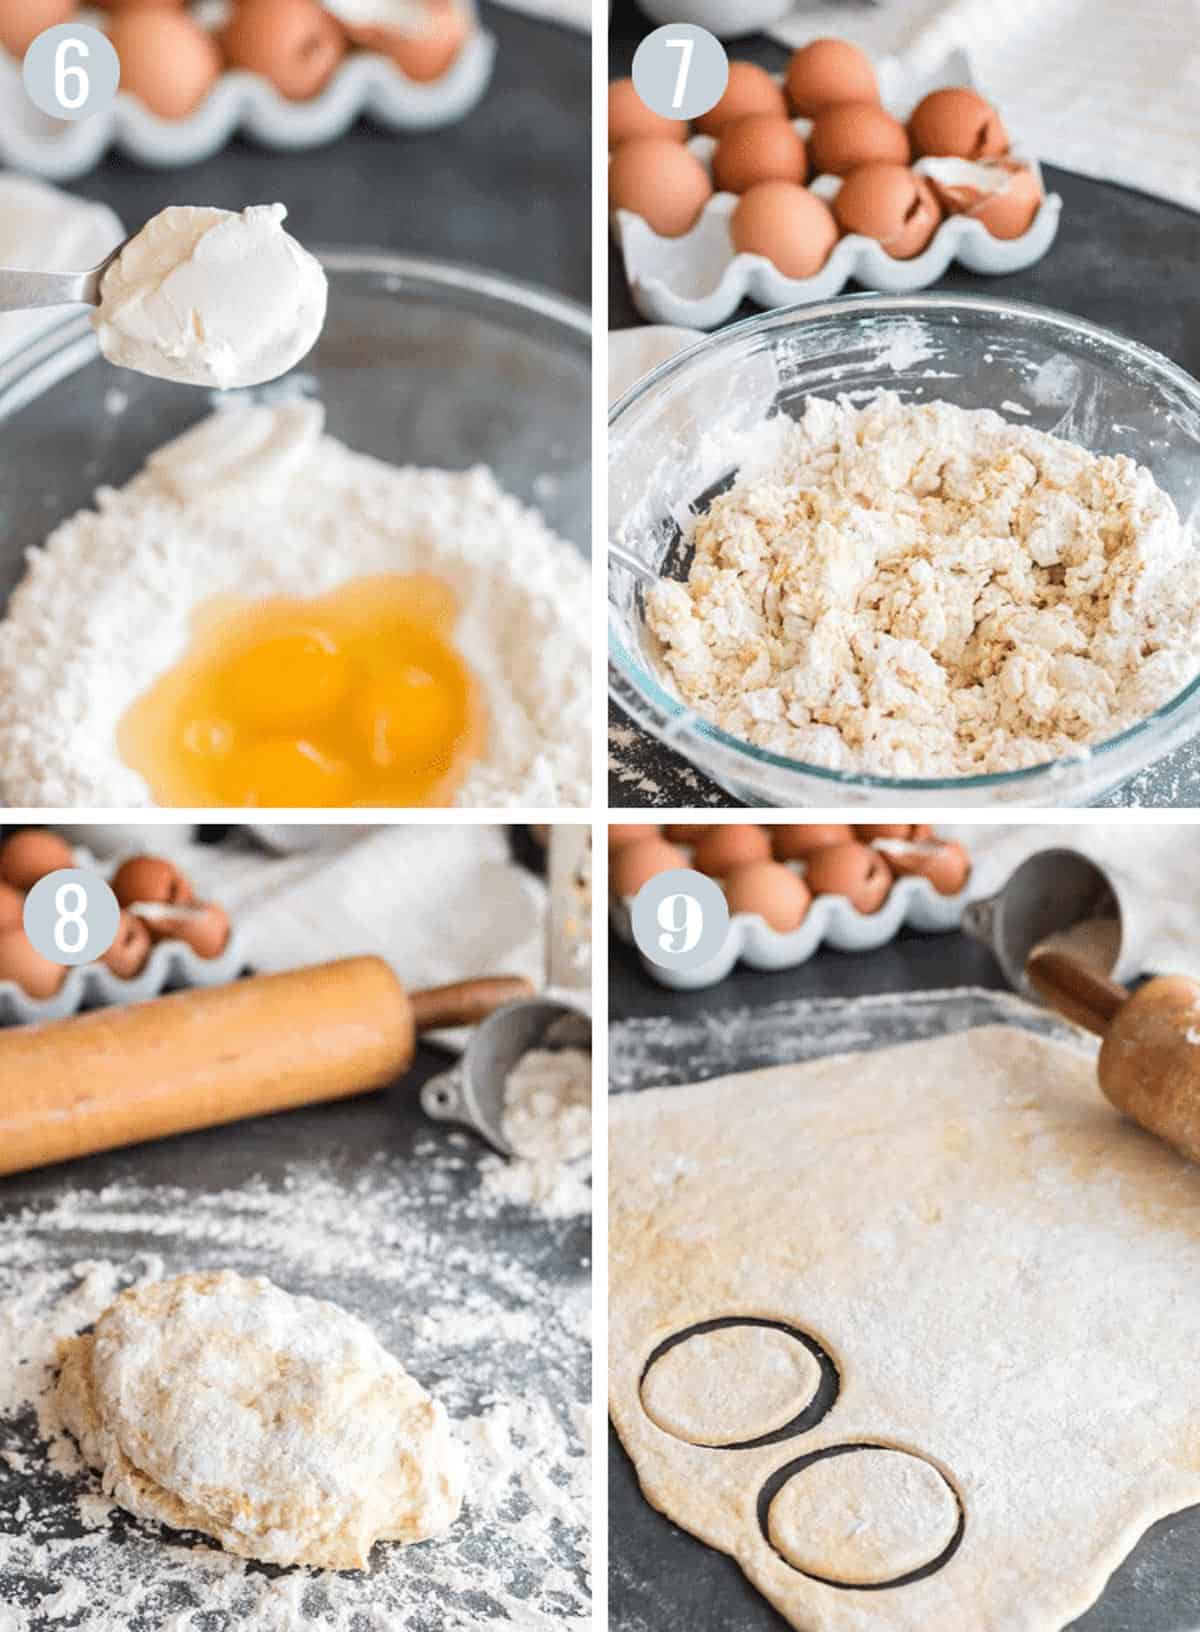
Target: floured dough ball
x,y
276,1424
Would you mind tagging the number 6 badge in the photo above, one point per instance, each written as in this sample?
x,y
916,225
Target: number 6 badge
x,y
71,71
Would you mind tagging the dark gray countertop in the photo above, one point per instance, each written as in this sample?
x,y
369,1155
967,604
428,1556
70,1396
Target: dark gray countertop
x,y
1122,259
504,189
660,1578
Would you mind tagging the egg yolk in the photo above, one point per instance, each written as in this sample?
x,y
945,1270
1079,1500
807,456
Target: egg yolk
x,y
356,697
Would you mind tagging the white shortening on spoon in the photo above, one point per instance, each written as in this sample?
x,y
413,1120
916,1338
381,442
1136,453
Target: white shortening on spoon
x,y
200,295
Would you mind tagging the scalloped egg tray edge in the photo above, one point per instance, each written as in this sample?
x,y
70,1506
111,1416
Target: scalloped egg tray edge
x,y
170,966
697,281
245,103
831,920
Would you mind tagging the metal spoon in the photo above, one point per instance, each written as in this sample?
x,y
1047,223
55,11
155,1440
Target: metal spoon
x,y
27,291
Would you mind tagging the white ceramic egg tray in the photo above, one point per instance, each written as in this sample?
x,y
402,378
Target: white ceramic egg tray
x,y
831,921
240,102
171,964
698,282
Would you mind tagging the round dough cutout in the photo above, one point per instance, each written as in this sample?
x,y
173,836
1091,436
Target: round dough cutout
x,y
863,1518
730,1385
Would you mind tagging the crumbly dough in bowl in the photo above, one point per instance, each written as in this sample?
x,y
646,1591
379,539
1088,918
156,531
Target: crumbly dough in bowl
x,y
919,590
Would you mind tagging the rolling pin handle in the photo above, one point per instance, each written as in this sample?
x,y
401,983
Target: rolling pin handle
x,y
467,1002
1077,991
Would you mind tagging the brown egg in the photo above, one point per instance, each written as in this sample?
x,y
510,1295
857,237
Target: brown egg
x,y
891,204
1002,193
771,891
854,870
130,949
957,124
168,62
728,846
12,907
295,44
750,90
869,831
634,864
687,832
426,55
629,118
23,964
761,148
790,841
662,182
619,835
828,71
850,134
151,878
21,21
944,862
31,854
791,227
205,928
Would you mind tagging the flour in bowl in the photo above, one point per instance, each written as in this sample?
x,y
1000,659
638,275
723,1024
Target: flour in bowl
x,y
258,501
922,590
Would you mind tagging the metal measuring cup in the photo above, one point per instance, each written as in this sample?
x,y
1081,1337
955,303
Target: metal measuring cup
x,y
472,1092
1050,893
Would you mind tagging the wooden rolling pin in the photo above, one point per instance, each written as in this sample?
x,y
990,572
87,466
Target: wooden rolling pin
x,y
1149,1064
197,1058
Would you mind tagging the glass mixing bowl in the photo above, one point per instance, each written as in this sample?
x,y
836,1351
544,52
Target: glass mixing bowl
x,y
419,363
669,441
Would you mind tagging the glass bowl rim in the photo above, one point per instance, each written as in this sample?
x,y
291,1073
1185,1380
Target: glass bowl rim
x,y
857,306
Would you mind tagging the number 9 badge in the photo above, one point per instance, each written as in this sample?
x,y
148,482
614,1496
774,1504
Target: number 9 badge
x,y
679,919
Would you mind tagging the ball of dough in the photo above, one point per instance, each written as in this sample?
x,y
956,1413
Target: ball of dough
x,y
287,1432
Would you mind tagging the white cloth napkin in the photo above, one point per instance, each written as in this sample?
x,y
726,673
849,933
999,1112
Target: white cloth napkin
x,y
634,352
1106,88
1161,863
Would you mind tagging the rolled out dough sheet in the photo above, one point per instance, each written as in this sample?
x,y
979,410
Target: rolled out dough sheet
x,y
1004,1272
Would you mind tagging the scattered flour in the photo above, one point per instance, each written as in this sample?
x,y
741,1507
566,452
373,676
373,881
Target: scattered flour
x,y
548,1123
921,590
449,1285
257,500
